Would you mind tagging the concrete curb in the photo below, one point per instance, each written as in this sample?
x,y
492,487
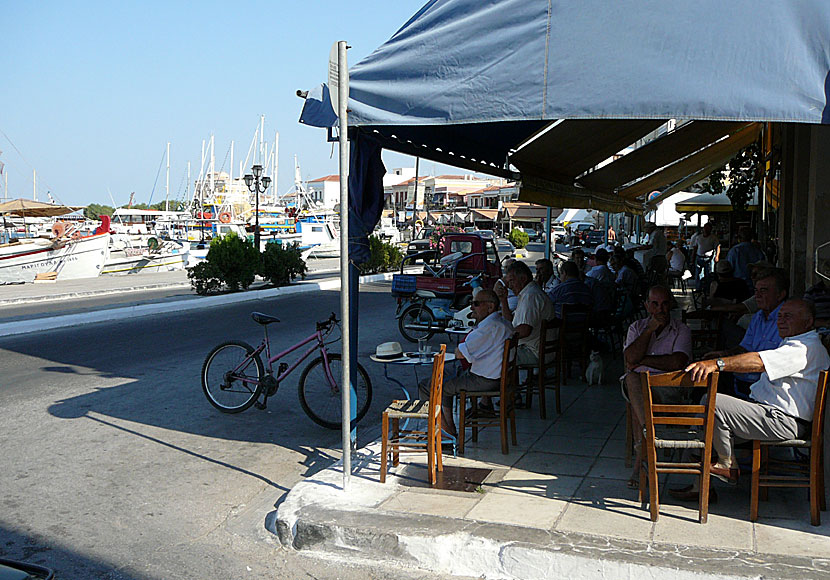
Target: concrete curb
x,y
318,516
194,303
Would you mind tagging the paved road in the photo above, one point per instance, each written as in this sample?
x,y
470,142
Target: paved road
x,y
115,466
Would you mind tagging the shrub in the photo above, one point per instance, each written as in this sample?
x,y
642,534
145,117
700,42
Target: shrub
x,y
231,261
282,263
205,278
518,238
383,257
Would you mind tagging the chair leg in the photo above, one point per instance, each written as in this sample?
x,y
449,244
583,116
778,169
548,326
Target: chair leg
x,y
431,455
474,421
821,491
503,429
756,479
439,444
629,437
763,491
462,429
396,435
543,411
513,426
815,465
384,446
653,495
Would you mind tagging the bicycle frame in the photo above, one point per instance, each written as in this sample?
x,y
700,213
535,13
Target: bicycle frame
x,y
265,345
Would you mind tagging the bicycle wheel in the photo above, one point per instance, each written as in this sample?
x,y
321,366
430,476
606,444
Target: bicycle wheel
x,y
231,377
321,401
417,315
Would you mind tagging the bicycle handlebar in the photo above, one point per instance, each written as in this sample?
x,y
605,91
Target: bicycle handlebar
x,y
328,323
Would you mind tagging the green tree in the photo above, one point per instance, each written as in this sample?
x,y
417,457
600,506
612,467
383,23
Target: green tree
x,y
743,171
518,238
94,211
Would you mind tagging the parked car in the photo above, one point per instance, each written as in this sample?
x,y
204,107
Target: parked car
x,y
579,231
506,249
560,234
594,238
420,244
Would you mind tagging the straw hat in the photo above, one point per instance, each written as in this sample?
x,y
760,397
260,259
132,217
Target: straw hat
x,y
389,350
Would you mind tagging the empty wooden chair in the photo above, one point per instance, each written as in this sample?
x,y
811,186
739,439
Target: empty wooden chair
x,y
507,394
700,416
767,472
414,440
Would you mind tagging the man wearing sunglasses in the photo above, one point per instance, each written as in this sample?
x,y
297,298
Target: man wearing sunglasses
x,y
483,349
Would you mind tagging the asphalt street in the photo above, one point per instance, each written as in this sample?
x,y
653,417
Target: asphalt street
x,y
114,465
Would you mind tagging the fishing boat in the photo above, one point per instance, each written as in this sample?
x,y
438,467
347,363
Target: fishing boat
x,y
68,253
156,256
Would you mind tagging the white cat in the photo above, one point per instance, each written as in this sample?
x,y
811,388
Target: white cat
x,y
593,374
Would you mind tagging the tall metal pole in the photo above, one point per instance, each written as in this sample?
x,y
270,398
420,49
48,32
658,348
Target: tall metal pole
x,y
167,185
342,101
548,232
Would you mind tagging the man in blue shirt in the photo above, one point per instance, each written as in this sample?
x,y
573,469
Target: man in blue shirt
x,y
743,254
762,333
571,289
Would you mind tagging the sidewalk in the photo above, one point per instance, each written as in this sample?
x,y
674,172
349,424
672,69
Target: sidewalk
x,y
556,506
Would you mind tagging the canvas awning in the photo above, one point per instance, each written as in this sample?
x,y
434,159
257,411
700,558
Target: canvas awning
x,y
485,214
30,208
525,212
708,203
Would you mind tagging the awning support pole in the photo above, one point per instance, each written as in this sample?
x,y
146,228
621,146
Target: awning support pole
x,y
548,229
345,378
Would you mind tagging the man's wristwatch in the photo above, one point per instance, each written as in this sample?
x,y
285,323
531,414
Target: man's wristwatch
x,y
721,364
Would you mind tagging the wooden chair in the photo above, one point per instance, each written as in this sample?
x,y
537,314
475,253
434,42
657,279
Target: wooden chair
x,y
574,342
793,473
548,356
707,330
507,402
414,440
700,416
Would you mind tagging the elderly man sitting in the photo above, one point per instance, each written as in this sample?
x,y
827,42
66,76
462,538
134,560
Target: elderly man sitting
x,y
762,334
657,344
781,400
483,349
533,307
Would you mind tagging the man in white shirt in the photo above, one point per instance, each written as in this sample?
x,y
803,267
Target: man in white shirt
x,y
706,247
781,401
533,307
483,349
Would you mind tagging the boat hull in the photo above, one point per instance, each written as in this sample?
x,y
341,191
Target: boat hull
x,y
83,258
119,264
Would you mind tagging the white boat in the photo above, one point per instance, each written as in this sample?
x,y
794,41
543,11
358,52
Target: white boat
x,y
23,259
166,256
68,254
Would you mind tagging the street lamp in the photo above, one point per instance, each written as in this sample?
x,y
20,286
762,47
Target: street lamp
x,y
257,184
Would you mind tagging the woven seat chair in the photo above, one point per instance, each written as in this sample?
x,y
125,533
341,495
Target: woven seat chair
x,y
414,440
507,403
699,416
791,473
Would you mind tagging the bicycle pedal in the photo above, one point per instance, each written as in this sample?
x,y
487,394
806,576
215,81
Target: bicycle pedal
x,y
261,406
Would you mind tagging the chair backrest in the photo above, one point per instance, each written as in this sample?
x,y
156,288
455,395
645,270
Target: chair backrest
x,y
548,340
574,334
710,331
818,409
700,415
437,385
509,370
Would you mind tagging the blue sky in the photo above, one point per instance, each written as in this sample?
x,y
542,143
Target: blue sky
x,y
91,92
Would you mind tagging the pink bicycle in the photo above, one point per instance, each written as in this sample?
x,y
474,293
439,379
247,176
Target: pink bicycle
x,y
233,375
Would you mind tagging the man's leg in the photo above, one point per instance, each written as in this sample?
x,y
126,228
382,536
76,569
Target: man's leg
x,y
634,388
466,382
740,420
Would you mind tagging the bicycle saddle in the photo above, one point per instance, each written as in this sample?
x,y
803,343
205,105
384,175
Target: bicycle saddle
x,y
263,319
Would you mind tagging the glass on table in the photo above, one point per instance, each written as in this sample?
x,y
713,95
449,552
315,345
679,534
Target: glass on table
x,y
424,350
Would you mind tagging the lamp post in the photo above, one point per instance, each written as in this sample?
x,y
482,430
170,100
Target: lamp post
x,y
257,184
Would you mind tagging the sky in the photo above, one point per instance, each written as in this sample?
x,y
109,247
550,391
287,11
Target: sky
x,y
92,92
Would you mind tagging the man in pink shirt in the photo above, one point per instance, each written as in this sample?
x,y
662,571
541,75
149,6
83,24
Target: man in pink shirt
x,y
657,344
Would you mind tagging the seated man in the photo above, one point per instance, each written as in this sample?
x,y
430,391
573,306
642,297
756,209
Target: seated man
x,y
762,334
571,289
532,308
544,275
601,272
657,344
781,401
483,349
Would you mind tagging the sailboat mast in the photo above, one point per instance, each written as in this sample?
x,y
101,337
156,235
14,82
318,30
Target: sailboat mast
x,y
230,173
261,139
167,184
276,164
